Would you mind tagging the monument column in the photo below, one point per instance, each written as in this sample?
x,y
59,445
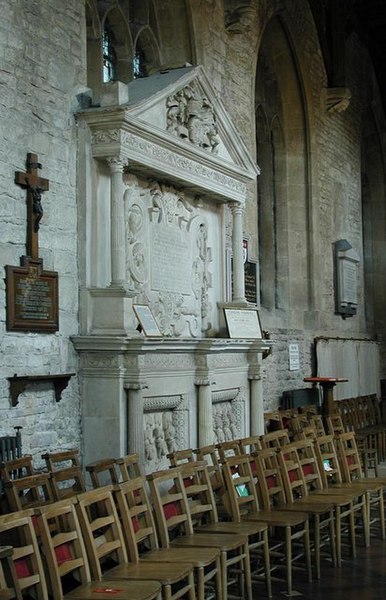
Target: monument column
x,y
118,255
237,251
135,434
256,396
205,413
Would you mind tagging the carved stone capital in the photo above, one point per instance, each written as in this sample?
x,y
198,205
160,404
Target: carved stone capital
x,y
337,99
116,164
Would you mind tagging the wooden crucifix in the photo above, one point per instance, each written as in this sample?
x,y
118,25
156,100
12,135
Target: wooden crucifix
x,y
35,186
32,292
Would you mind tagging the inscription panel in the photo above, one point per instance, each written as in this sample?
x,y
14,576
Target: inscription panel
x,y
170,260
32,298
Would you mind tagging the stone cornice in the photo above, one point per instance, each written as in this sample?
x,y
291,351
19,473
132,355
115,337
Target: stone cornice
x,y
210,346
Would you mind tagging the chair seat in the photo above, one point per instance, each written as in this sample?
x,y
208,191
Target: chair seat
x,y
308,505
278,518
205,557
222,541
232,527
120,590
166,573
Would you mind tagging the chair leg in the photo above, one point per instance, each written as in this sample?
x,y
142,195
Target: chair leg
x,y
247,573
307,552
288,554
267,565
317,545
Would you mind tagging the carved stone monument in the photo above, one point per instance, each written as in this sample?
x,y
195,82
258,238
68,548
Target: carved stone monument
x,y
170,181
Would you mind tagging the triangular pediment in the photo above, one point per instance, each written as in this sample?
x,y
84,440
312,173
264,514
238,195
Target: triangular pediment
x,y
183,104
173,125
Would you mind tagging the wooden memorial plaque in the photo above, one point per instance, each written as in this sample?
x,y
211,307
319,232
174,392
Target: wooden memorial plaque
x,y
32,297
32,293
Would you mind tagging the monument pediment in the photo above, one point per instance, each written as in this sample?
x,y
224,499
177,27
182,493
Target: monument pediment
x,y
173,124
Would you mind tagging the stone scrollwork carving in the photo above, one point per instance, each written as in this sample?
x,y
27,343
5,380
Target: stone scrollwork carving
x,y
190,116
166,235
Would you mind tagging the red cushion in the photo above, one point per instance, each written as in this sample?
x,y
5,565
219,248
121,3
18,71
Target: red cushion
x,y
22,568
271,481
292,474
188,481
63,553
135,523
308,469
171,510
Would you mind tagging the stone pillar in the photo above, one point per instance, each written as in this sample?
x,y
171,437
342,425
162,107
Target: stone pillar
x,y
256,406
118,253
135,425
205,414
237,250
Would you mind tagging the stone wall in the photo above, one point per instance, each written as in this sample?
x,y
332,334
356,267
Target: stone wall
x,y
42,70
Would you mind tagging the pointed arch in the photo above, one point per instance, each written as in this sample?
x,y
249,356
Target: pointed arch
x,y
284,181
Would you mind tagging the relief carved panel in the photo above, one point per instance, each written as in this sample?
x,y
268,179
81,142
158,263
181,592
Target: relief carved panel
x,y
168,258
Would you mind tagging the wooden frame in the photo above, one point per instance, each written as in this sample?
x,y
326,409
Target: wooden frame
x,y
243,323
146,320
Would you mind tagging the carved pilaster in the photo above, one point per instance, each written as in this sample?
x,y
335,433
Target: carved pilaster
x,y
117,222
237,249
135,408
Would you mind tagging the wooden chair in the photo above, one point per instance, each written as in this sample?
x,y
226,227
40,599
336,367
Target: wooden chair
x,y
142,541
353,502
66,475
102,472
28,492
17,530
275,439
284,470
250,444
351,470
105,547
174,523
128,466
293,527
9,584
181,456
204,516
65,555
16,468
228,448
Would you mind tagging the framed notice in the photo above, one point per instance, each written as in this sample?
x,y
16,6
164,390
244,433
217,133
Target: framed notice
x,y
146,320
32,297
243,323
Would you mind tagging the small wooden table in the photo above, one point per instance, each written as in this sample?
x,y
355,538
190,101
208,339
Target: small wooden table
x,y
327,384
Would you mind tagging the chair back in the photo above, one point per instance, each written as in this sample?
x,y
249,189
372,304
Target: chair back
x,y
9,584
28,492
17,530
199,492
66,473
101,529
250,444
275,439
129,466
328,462
170,504
348,455
270,487
102,472
181,456
63,545
240,487
135,512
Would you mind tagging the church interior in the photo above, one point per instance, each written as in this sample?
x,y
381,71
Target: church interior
x,y
193,247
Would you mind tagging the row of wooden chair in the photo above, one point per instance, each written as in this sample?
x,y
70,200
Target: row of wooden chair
x,y
115,525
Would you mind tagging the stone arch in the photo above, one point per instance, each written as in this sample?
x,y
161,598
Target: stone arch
x,y
123,43
279,89
94,47
146,45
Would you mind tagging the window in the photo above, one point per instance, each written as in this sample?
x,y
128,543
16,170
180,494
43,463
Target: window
x,y
109,55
